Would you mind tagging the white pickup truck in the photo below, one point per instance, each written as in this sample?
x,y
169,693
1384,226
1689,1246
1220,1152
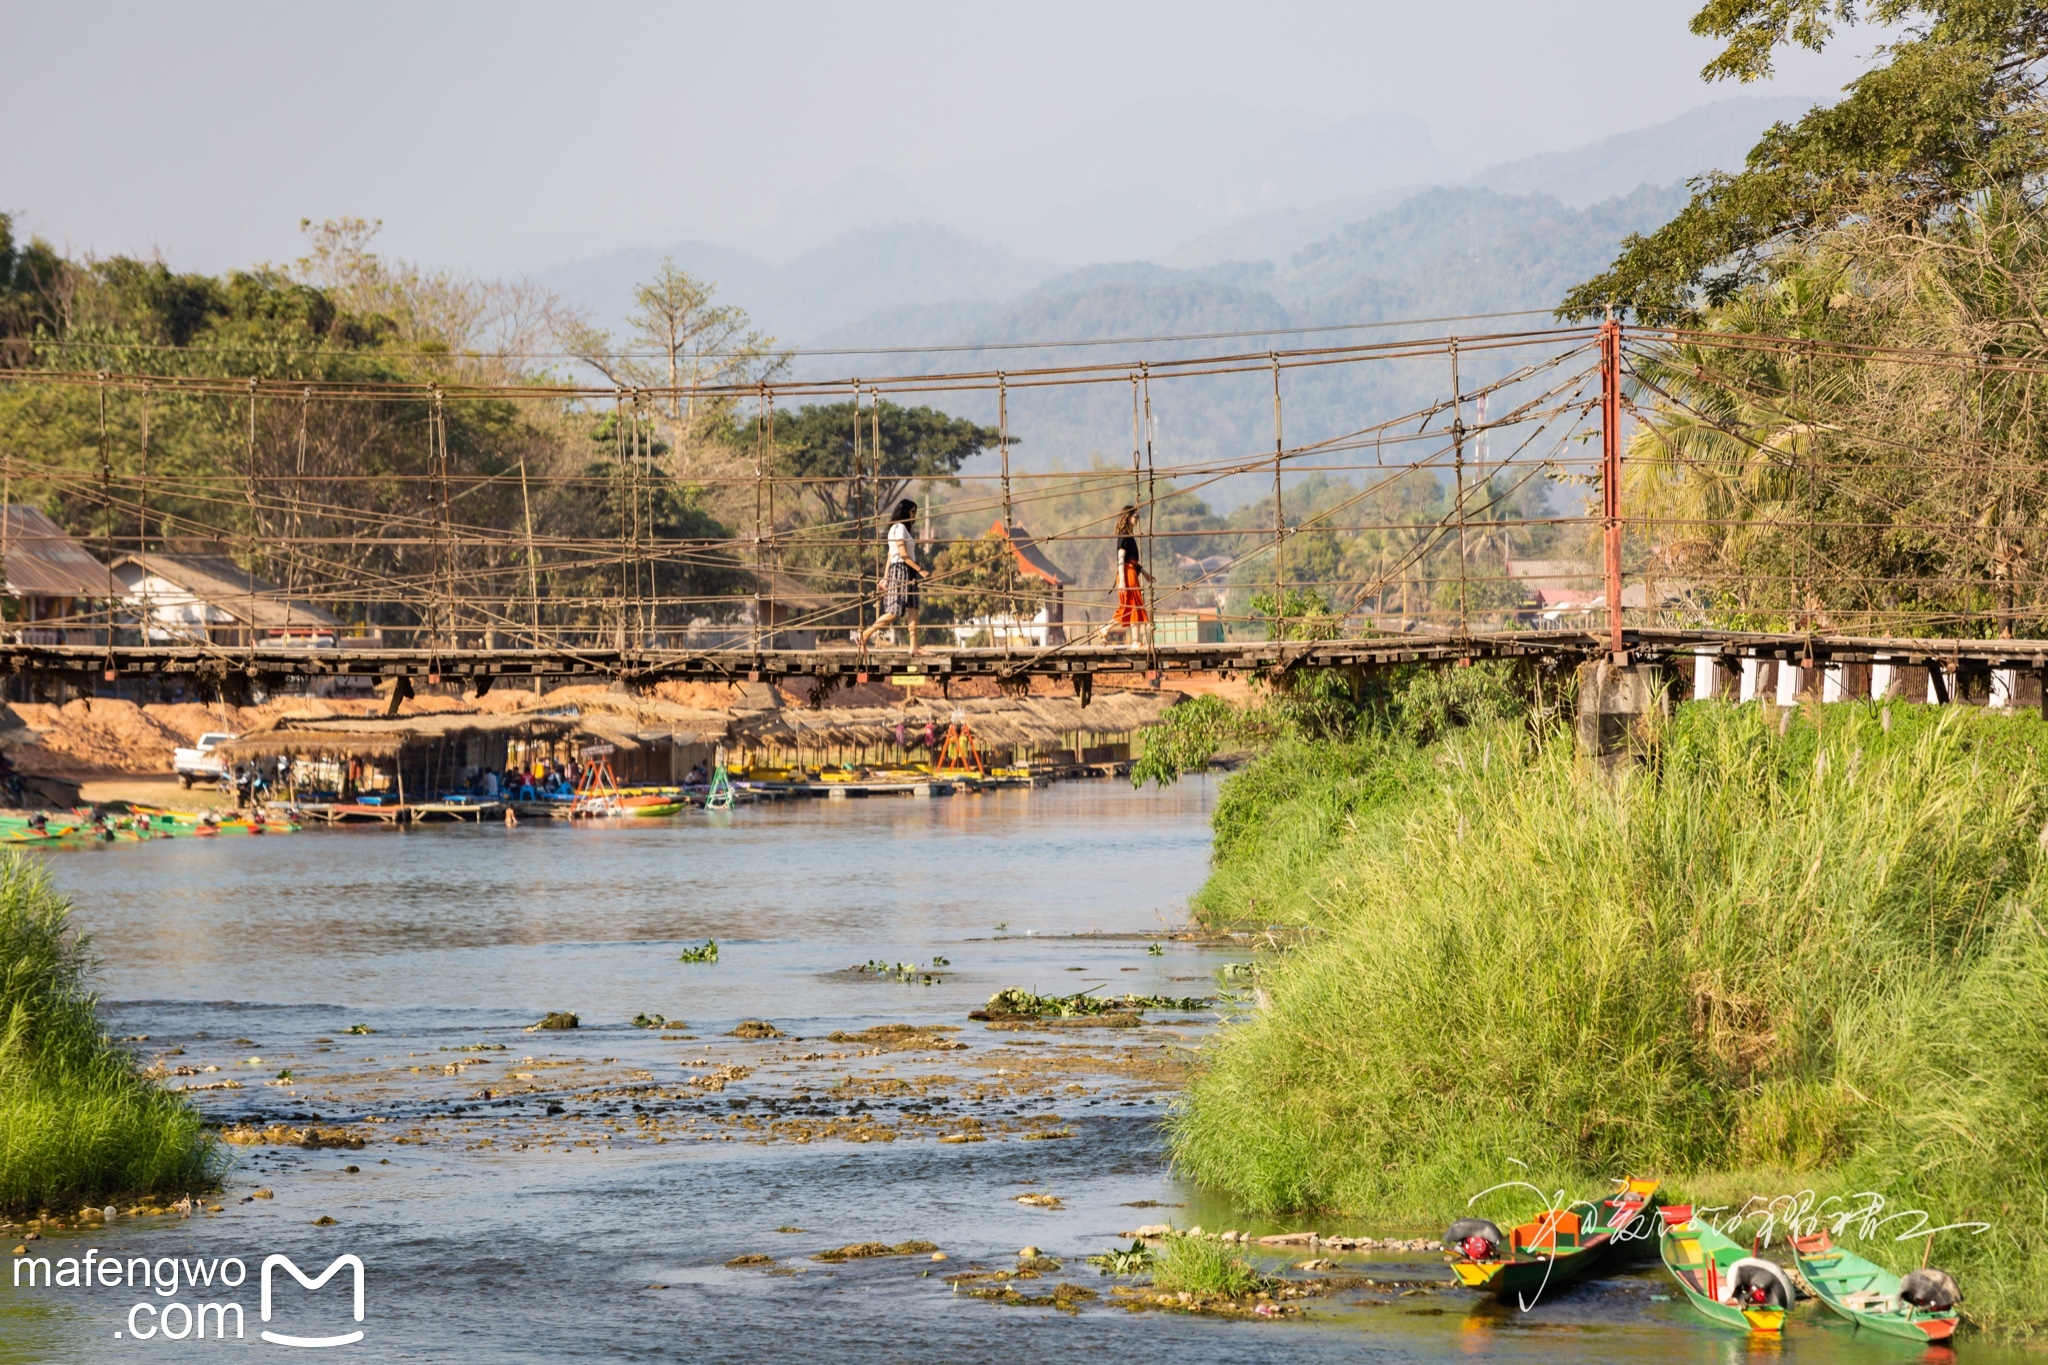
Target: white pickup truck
x,y
199,763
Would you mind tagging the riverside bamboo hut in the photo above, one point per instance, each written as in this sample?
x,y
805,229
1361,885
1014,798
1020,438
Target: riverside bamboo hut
x,y
399,761
656,742
1024,729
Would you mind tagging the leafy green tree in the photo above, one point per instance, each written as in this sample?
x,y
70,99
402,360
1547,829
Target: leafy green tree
x,y
831,533
679,562
1954,108
816,443
29,279
1825,487
337,500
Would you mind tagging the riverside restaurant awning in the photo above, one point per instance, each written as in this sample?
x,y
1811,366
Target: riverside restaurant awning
x,y
421,756
1042,723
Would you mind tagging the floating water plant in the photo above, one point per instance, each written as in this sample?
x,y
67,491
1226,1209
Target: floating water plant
x,y
1135,1259
910,973
1016,1002
359,1029
707,953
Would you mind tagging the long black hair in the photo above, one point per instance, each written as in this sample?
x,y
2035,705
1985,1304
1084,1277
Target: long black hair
x,y
906,510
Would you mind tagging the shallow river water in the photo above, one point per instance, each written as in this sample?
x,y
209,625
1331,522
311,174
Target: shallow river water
x,y
575,1195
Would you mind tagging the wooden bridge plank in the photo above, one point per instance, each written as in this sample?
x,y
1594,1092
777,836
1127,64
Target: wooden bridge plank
x,y
83,661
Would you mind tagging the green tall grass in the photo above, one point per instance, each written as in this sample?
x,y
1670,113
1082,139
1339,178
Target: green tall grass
x,y
78,1122
1197,1265
1764,962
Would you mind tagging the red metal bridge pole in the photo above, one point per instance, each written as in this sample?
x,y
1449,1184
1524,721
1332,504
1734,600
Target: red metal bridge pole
x,y
1610,475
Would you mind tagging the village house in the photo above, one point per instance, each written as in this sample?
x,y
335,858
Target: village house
x,y
209,599
59,592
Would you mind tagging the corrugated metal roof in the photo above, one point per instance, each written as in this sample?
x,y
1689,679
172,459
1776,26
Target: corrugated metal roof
x,y
40,560
220,582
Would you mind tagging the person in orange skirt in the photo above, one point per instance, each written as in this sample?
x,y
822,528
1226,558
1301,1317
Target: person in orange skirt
x,y
1130,593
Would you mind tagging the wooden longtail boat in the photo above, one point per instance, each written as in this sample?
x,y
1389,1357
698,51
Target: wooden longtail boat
x,y
1556,1247
1867,1294
1720,1278
179,822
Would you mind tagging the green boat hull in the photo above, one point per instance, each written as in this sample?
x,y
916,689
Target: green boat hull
x,y
1686,1249
1533,1271
1835,1276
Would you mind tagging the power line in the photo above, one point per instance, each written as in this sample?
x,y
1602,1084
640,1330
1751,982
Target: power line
x,y
947,348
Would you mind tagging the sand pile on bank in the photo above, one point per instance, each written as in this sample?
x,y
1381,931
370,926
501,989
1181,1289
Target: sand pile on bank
x,y
84,737
703,696
188,720
102,736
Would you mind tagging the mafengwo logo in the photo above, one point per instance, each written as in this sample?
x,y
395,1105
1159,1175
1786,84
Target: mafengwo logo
x,y
352,1263
285,1318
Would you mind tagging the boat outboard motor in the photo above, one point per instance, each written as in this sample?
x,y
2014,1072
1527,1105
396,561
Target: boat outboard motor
x,y
1753,1282
1475,1239
1930,1289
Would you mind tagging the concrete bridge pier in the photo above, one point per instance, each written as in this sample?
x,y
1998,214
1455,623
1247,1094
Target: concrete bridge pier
x,y
1613,700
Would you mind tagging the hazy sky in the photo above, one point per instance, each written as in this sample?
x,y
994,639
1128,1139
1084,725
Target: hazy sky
x,y
508,136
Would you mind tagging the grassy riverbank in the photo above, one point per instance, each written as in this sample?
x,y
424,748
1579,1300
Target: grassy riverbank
x,y
78,1122
1768,962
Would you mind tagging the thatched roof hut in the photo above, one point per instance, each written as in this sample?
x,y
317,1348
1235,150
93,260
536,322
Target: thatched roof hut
x,y
420,756
650,741
1009,722
387,737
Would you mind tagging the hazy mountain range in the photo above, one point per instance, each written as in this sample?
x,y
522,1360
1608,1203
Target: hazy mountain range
x,y
1265,226
1251,191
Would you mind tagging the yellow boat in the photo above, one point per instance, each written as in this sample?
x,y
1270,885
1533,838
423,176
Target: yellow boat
x,y
652,808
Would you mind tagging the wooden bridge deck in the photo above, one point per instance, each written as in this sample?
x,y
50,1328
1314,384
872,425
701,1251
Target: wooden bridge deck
x,y
85,664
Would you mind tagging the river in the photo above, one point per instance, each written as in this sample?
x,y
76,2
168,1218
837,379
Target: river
x,y
576,1195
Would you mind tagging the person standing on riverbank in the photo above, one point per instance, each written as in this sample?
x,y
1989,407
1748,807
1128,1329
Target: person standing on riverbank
x,y
900,579
1131,611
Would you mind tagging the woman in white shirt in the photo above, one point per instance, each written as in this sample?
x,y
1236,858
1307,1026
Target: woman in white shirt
x,y
901,578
